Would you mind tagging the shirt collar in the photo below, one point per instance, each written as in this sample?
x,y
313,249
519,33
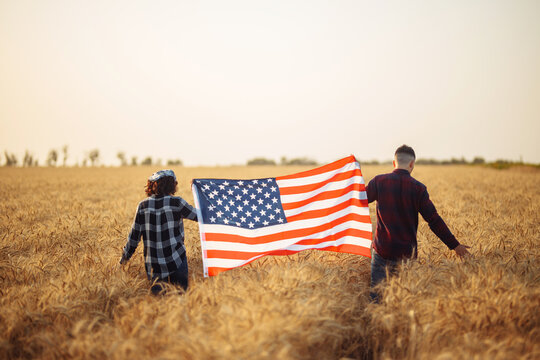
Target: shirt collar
x,y
401,171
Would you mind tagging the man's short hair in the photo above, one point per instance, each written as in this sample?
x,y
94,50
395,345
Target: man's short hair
x,y
404,155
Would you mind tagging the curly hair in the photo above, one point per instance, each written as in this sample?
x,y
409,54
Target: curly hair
x,y
167,185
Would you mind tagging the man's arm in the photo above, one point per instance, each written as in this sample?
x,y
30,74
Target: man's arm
x,y
436,223
134,238
371,190
188,211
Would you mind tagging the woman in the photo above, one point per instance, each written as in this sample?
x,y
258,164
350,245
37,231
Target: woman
x,y
159,221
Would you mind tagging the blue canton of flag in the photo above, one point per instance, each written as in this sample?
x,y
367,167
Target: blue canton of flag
x,y
248,204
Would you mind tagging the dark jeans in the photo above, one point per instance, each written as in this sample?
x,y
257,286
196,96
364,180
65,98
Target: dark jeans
x,y
379,269
179,277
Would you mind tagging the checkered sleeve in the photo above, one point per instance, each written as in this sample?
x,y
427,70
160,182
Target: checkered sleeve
x,y
187,211
134,235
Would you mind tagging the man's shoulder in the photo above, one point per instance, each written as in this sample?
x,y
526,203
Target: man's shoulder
x,y
380,176
418,184
394,176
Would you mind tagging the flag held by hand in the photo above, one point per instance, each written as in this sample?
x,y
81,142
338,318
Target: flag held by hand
x,y
242,220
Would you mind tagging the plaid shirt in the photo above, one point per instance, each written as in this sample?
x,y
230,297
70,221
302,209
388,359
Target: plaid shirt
x,y
400,198
159,221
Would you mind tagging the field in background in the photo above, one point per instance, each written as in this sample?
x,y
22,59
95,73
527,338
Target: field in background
x,y
63,293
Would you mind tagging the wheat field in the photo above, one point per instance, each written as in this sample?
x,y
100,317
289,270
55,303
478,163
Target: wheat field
x,y
64,295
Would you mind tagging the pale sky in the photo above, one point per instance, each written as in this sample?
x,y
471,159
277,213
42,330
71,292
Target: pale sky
x,y
221,82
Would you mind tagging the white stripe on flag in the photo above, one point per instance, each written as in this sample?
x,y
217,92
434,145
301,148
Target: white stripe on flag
x,y
334,185
346,240
229,263
315,179
328,203
202,228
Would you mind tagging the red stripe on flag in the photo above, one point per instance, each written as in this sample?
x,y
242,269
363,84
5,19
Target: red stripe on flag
x,y
291,190
239,255
213,271
351,249
345,248
331,194
329,167
245,255
347,232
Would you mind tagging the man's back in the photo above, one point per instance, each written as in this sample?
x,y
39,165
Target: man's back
x,y
400,198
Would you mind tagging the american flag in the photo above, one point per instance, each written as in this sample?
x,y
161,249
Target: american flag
x,y
242,220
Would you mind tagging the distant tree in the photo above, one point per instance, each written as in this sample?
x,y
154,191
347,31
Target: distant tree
x,y
478,160
52,158
147,161
29,160
372,162
134,161
122,157
175,162
501,164
455,161
298,161
427,162
11,159
93,155
260,161
65,155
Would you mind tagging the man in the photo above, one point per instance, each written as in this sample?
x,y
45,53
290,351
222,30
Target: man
x,y
400,198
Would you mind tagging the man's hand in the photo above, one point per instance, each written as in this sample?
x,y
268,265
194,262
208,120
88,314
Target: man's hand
x,y
461,250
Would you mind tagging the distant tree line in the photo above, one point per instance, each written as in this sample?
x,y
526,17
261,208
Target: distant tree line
x,y
478,160
147,161
284,161
453,161
92,157
59,157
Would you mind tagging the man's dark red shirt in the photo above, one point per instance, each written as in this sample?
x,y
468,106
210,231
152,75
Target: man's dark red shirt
x,y
400,198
